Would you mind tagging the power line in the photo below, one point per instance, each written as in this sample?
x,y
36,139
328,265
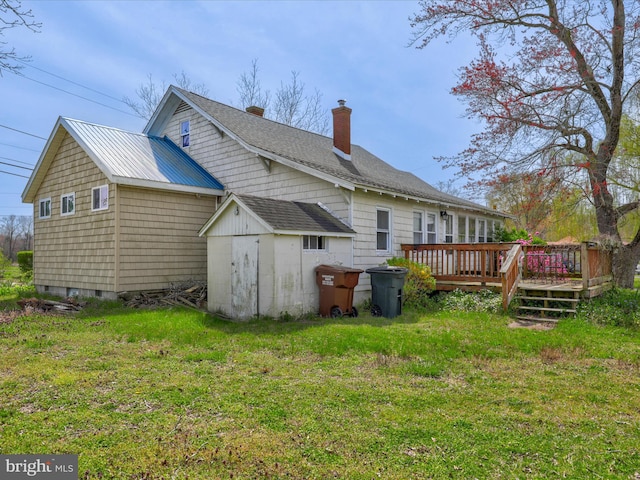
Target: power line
x,y
15,166
23,132
71,81
18,161
78,96
21,148
15,174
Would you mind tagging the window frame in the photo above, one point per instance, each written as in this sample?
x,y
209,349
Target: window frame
x,y
185,133
64,201
482,230
431,236
320,243
462,232
448,228
419,233
383,231
47,202
104,202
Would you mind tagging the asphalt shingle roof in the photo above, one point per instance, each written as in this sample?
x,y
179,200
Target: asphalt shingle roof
x,y
287,215
364,170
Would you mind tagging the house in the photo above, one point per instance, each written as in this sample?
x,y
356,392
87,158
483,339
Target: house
x,y
117,211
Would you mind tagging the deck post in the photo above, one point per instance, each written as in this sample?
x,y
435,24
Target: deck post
x,y
584,265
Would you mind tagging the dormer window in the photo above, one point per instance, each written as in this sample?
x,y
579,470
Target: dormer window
x,y
184,133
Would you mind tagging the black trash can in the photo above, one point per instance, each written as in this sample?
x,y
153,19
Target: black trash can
x,y
386,290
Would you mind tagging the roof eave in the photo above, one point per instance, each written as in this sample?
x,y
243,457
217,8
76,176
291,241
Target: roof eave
x,y
172,187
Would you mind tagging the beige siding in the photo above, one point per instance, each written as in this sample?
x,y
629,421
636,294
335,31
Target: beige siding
x,y
159,241
241,171
74,251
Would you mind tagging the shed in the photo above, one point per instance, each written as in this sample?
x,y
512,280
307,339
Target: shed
x,y
262,254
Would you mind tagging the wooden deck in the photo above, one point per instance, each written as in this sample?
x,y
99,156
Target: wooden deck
x,y
551,273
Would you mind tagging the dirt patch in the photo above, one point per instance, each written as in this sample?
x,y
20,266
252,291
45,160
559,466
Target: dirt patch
x,y
531,325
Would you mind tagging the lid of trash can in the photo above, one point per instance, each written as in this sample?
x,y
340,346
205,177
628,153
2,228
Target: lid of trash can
x,y
387,269
336,269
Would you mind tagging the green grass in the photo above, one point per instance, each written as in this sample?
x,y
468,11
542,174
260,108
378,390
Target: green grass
x,y
172,393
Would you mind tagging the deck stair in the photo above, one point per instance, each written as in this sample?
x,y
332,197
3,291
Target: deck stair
x,y
546,303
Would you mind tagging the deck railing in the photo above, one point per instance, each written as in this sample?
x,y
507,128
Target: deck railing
x,y
503,265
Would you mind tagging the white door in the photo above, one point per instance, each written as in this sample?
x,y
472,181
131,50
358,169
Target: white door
x,y
244,276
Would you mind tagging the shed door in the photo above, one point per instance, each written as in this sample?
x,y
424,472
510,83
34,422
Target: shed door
x,y
244,276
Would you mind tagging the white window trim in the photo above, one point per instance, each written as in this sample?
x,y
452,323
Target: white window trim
x,y
40,202
71,195
104,203
422,229
185,133
312,250
388,231
435,227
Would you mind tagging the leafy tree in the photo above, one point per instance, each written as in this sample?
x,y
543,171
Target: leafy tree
x,y
13,15
552,81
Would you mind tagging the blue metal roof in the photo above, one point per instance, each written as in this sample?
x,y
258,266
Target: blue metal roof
x,y
139,159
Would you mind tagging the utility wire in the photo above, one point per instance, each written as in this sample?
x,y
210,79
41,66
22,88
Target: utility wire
x,y
78,96
23,132
15,166
18,161
21,148
15,174
71,81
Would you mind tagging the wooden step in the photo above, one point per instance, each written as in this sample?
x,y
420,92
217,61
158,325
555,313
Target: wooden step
x,y
531,318
552,299
547,309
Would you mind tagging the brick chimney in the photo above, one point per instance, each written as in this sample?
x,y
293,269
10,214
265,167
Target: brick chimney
x,y
259,111
342,130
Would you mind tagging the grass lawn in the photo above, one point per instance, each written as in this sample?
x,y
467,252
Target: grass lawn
x,y
173,393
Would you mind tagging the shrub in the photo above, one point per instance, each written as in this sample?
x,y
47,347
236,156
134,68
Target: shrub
x,y
617,307
482,301
25,261
418,283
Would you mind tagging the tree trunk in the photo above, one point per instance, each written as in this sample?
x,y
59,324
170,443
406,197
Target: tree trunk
x,y
623,265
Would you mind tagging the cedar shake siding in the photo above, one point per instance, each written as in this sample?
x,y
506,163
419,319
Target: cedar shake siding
x,y
75,251
159,242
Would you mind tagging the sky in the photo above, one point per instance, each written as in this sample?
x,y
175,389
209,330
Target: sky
x,y
89,55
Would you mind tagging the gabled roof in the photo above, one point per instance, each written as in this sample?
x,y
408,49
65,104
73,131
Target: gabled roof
x,y
284,216
306,151
127,158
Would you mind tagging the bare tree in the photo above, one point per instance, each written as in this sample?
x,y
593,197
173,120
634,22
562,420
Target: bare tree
x,y
25,232
292,104
9,230
149,94
250,90
13,15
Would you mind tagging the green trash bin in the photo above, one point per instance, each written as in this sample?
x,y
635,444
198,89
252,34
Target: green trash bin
x,y
387,284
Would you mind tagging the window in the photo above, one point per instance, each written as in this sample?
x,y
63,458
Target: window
x,y
68,204
462,229
481,231
185,130
45,208
448,229
383,230
431,228
490,231
472,229
100,198
418,234
313,242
